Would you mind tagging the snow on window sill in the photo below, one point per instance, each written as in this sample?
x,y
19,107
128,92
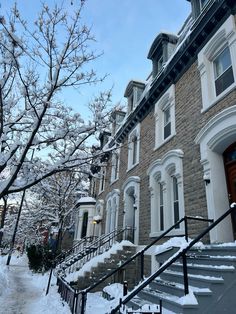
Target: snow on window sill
x,y
113,181
164,141
175,232
132,166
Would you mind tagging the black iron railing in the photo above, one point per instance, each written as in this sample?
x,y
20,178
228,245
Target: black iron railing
x,y
89,251
140,255
181,254
81,296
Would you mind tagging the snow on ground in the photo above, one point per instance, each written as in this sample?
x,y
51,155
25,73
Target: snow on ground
x,y
22,292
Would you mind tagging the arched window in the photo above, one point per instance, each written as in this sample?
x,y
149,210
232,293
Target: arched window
x,y
167,195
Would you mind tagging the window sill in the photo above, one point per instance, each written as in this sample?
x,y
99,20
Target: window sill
x,y
164,142
100,192
175,232
219,97
114,181
133,166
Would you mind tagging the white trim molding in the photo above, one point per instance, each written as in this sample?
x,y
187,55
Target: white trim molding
x,y
225,37
131,188
218,134
161,175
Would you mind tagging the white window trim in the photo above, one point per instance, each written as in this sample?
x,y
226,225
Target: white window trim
x,y
225,36
113,166
167,100
112,206
102,173
216,135
161,171
135,132
132,182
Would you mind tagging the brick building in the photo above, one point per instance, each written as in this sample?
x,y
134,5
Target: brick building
x,y
176,144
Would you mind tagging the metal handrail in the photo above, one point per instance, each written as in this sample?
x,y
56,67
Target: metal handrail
x,y
173,259
141,253
92,248
62,256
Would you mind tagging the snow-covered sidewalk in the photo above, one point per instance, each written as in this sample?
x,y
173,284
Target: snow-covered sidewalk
x,y
22,292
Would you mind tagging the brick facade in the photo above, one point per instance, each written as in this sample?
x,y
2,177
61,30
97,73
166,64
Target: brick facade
x,y
189,121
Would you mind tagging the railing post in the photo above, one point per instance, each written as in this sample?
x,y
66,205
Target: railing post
x,y
142,266
186,228
83,302
49,280
125,288
185,271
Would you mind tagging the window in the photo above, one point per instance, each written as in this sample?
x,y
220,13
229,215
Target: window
x,y
223,71
167,122
175,200
133,147
167,195
161,207
112,205
165,117
102,179
115,166
217,71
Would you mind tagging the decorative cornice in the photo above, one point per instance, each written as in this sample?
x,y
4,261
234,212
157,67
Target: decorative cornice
x,y
181,61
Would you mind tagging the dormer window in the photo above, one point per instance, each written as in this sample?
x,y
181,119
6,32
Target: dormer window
x,y
203,3
198,6
161,50
133,93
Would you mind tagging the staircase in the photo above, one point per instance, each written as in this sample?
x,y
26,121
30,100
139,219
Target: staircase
x,y
211,278
107,265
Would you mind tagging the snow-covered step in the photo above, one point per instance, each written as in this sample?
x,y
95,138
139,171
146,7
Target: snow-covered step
x,y
176,289
208,270
217,250
171,302
202,281
198,258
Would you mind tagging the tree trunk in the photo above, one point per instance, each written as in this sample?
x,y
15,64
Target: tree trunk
x,y
15,230
3,218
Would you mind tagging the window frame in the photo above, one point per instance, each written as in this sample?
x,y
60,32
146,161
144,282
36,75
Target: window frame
x,y
134,147
166,102
224,37
102,181
163,172
115,160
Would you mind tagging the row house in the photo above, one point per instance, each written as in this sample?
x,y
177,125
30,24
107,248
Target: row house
x,y
174,149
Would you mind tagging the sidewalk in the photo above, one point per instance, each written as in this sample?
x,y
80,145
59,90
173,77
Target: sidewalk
x,y
24,292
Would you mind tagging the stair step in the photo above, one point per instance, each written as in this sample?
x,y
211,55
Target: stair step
x,y
209,270
211,259
217,250
200,281
176,289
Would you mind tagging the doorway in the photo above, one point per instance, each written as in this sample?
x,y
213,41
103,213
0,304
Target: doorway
x,y
230,170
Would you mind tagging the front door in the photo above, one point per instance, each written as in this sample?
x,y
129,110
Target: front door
x,y
230,169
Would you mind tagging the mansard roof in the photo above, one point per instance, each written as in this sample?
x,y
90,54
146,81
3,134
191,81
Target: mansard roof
x,y
185,55
131,84
158,42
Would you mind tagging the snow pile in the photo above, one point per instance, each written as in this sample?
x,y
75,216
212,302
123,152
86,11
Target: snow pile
x,y
3,276
26,291
97,259
115,291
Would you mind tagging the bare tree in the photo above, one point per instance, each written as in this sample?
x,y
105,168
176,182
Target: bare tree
x,y
38,135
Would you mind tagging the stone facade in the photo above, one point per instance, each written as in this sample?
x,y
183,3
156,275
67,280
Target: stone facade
x,y
185,145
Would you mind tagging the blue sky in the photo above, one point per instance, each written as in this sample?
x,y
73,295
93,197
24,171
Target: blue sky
x,y
124,30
